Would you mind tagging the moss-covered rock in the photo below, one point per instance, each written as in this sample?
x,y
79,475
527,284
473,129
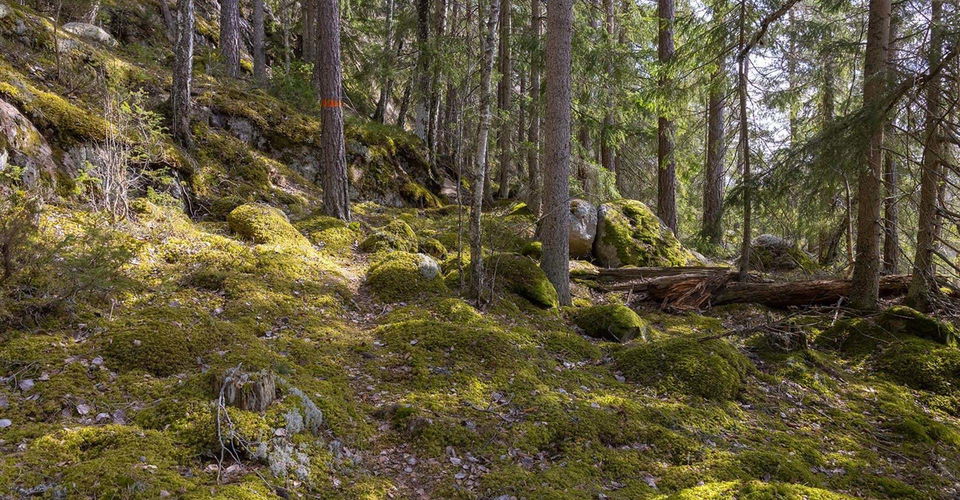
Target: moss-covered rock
x,y
628,233
265,225
432,247
403,276
522,276
396,235
922,364
770,253
712,369
613,322
533,249
907,321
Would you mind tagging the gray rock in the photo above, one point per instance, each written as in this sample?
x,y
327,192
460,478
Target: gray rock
x,y
90,33
583,228
21,144
428,267
772,253
4,10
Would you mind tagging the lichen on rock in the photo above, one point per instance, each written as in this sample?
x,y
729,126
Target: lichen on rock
x,y
403,276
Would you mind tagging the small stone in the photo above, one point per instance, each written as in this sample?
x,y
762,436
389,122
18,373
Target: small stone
x,y
5,422
83,409
26,384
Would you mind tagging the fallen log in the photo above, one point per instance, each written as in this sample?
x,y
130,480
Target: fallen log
x,y
620,275
795,293
699,288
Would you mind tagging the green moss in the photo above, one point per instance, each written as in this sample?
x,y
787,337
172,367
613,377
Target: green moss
x,y
905,320
855,336
419,196
431,341
638,238
756,490
522,276
533,249
711,369
922,364
402,276
432,247
163,339
570,346
763,259
613,322
266,225
396,235
111,461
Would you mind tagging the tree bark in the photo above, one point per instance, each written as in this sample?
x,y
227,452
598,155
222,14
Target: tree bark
x,y
666,163
336,202
713,176
866,270
386,82
505,101
923,286
480,158
533,134
606,130
743,67
259,51
891,178
183,74
556,196
422,70
230,37
309,31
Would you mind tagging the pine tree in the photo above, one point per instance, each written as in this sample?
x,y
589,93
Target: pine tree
x,y
183,74
556,191
230,37
336,202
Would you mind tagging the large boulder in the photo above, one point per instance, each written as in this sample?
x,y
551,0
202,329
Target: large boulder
x,y
629,234
90,33
583,228
22,145
772,253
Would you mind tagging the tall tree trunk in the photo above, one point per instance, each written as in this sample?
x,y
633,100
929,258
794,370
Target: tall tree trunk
x,y
713,178
556,193
828,237
891,177
479,167
169,22
404,105
259,51
742,88
386,80
606,130
422,71
230,37
336,202
435,69
308,43
923,286
866,270
505,100
533,133
183,74
666,163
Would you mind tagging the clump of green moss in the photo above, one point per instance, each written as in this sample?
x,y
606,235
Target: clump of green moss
x,y
855,336
470,343
265,225
106,461
522,276
630,234
402,276
570,346
756,490
432,247
396,235
533,249
163,339
713,369
922,364
902,319
613,322
419,196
